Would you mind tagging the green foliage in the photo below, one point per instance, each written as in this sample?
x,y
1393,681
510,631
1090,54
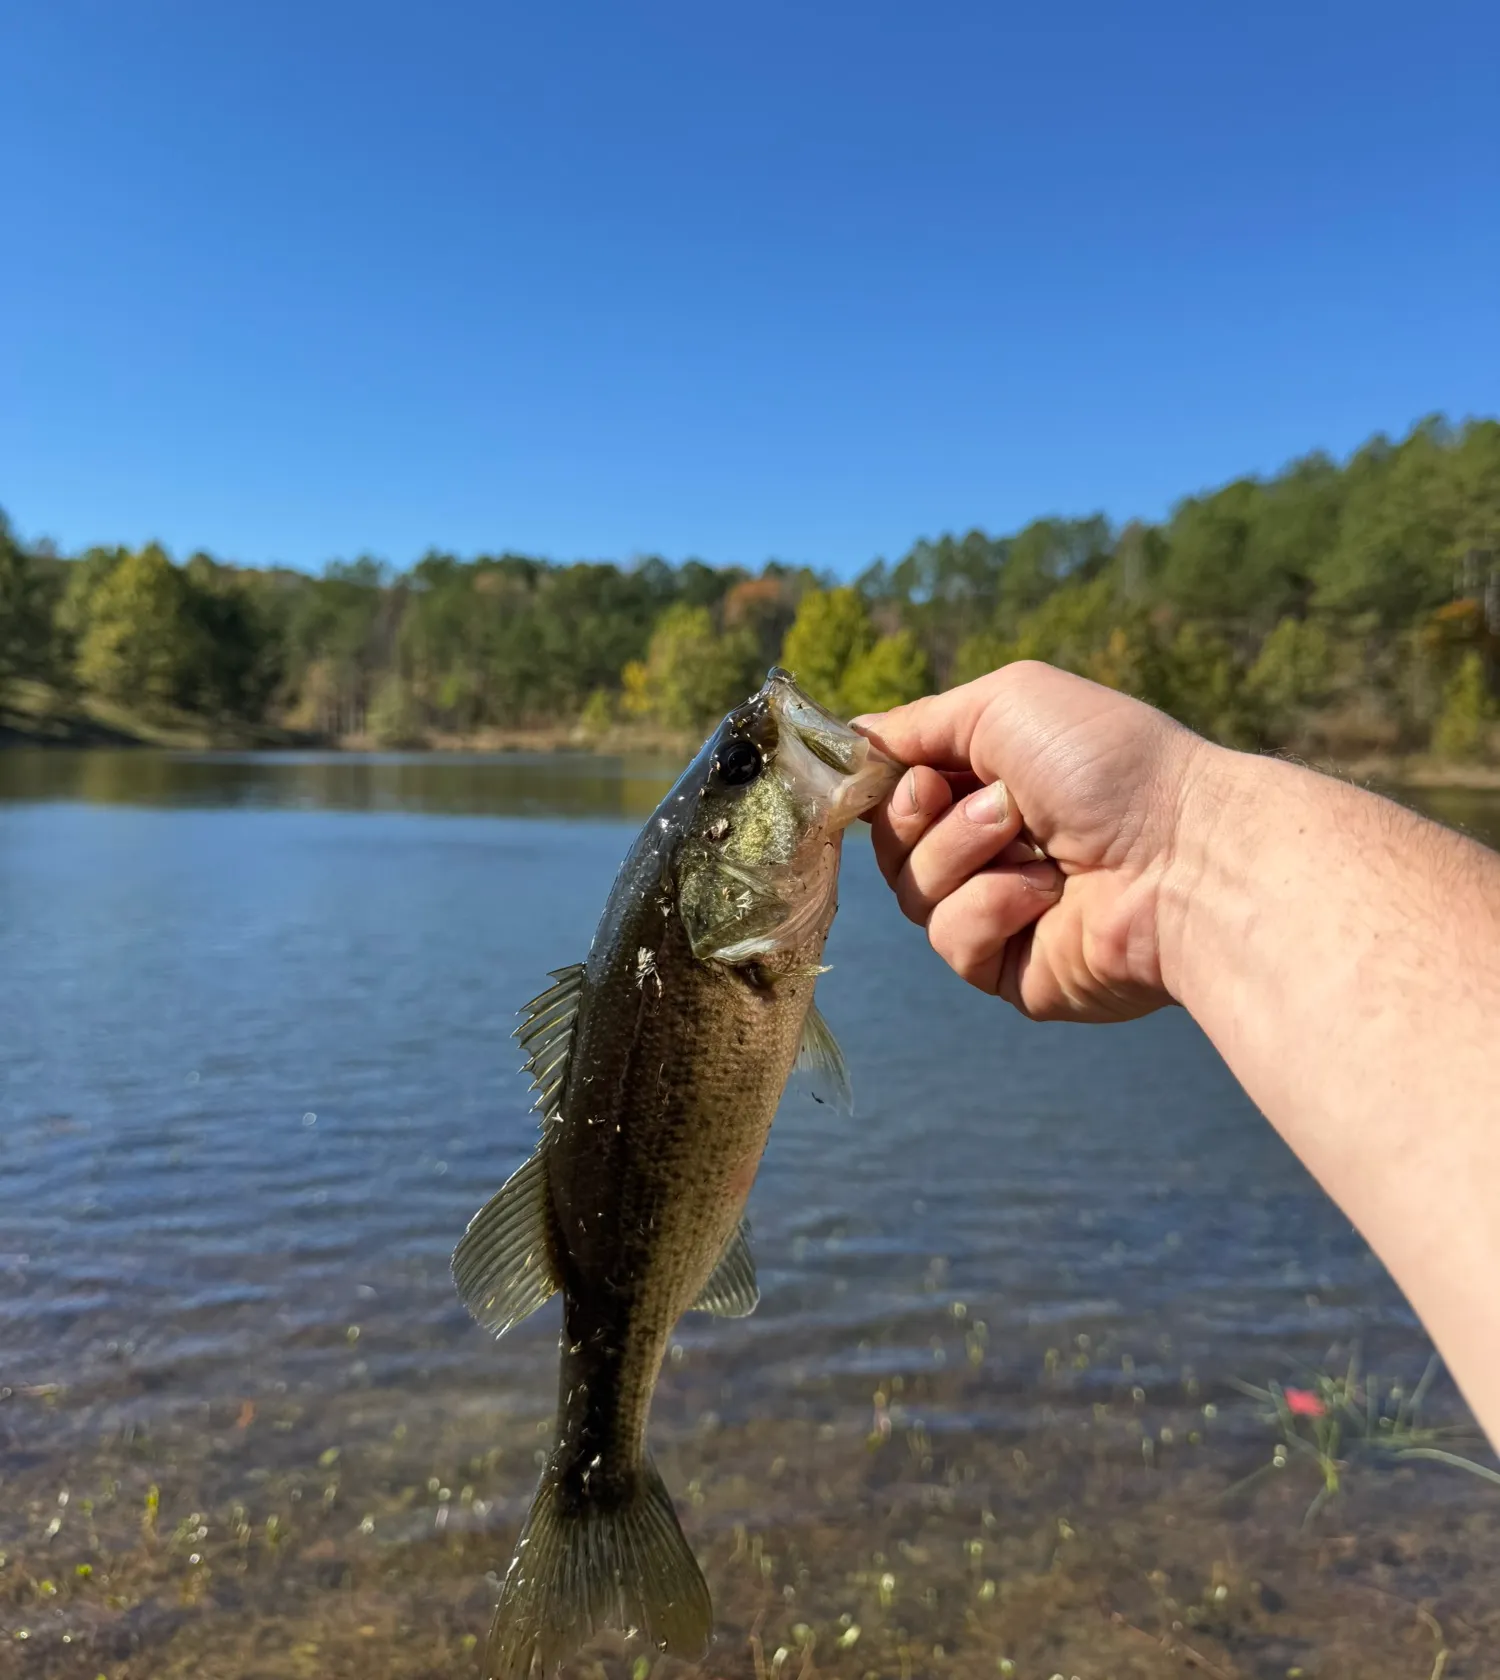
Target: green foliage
x,y
1464,724
151,634
140,642
238,646
1394,551
978,654
1209,565
891,673
1071,624
392,720
1293,673
944,591
691,674
26,629
1047,554
829,636
1328,603
1197,680
598,715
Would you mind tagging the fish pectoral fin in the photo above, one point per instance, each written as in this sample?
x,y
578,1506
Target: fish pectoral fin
x,y
503,1265
822,1060
546,1032
581,1566
731,1290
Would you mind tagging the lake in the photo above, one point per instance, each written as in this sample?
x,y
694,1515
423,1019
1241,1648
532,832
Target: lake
x,y
256,1073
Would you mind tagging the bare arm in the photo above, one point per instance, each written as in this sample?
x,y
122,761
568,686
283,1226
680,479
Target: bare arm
x,y
1341,953
1344,957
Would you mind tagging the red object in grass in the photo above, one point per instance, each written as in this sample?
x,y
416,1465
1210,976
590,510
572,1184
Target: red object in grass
x,y
1302,1402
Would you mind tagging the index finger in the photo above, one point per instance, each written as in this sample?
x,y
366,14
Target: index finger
x,y
937,730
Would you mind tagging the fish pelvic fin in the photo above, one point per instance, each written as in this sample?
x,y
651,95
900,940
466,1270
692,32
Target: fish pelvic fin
x,y
731,1290
583,1564
820,1058
503,1265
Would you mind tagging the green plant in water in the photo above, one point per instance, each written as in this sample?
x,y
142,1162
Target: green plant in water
x,y
1336,1422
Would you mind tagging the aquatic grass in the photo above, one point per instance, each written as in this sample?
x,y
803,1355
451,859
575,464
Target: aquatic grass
x,y
1337,1422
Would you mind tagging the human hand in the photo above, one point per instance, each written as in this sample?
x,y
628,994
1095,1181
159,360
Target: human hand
x,y
1100,781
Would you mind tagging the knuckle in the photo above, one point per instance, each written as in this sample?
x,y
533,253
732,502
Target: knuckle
x,y
1022,671
952,935
913,902
953,951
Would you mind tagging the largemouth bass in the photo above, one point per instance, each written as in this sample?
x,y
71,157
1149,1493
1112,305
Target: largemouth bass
x,y
660,1062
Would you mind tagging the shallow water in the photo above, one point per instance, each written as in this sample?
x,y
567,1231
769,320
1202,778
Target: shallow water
x,y
255,1075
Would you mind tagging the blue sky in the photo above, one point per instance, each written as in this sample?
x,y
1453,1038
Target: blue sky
x,y
291,281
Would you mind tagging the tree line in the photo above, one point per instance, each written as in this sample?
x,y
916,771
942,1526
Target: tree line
x,y
1336,608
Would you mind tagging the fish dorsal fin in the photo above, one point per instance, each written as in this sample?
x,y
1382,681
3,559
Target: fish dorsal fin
x,y
821,1059
503,1265
731,1290
546,1032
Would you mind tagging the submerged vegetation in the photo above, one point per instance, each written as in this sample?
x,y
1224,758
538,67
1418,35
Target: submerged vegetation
x,y
1342,610
1339,1421
358,1534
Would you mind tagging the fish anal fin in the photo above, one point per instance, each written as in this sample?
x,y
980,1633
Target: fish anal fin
x,y
823,1062
503,1265
731,1290
581,1566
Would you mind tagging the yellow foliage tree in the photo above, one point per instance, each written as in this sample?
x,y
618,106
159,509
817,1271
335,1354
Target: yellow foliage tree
x,y
889,674
141,642
830,634
1463,726
834,653
691,674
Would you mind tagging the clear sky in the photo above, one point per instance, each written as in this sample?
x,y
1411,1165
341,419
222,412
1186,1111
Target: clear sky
x,y
291,281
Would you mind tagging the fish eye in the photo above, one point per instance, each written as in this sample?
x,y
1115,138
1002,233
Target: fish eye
x,y
738,762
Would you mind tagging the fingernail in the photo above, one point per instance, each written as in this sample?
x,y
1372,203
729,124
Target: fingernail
x,y
909,794
1042,877
990,805
865,720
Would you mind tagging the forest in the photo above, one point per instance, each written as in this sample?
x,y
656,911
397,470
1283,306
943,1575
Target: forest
x,y
1336,610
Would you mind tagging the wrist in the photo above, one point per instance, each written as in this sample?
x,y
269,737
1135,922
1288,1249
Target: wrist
x,y
1214,853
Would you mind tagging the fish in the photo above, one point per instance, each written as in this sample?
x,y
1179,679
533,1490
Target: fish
x,y
659,1064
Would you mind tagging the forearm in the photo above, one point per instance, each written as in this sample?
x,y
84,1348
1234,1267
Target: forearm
x,y
1344,957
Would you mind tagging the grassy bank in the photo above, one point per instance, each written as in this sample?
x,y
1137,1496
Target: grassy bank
x,y
619,739
36,714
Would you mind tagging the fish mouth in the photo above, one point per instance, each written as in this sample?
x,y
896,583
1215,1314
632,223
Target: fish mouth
x,y
862,774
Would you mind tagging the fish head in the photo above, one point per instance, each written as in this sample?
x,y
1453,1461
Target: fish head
x,y
777,784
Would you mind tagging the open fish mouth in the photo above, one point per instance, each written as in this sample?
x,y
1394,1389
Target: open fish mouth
x,y
822,757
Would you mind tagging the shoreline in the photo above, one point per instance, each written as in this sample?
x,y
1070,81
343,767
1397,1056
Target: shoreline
x,y
93,725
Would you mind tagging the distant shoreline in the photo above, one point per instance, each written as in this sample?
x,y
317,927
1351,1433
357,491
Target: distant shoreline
x,y
77,728
40,718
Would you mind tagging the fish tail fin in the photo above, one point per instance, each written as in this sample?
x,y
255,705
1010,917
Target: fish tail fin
x,y
583,1564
